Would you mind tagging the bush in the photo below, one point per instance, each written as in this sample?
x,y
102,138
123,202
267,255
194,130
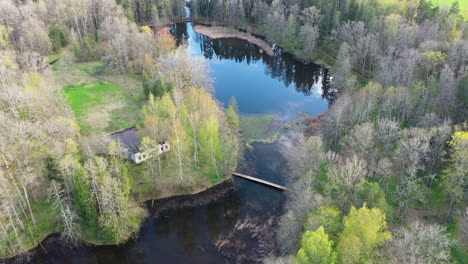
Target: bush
x,y
155,86
58,39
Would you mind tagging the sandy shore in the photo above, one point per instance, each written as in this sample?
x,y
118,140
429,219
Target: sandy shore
x,y
217,32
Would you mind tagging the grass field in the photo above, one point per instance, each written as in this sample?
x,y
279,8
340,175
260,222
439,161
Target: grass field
x,y
102,106
445,4
102,102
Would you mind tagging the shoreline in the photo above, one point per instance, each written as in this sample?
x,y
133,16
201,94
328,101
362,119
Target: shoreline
x,y
193,198
219,32
254,34
314,125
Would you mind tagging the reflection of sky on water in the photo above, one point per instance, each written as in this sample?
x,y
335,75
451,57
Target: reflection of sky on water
x,y
260,83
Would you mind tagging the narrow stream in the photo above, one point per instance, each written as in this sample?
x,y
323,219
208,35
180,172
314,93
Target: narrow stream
x,y
233,222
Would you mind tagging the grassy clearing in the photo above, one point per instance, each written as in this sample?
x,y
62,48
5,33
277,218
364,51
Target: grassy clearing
x,y
102,102
448,3
46,223
168,184
45,217
101,106
459,255
264,128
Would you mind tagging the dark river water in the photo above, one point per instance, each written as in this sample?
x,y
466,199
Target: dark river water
x,y
232,223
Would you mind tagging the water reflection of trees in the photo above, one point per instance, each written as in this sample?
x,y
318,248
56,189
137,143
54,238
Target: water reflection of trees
x,y
180,33
280,66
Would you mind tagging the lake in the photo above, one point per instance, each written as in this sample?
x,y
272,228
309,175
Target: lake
x,y
261,83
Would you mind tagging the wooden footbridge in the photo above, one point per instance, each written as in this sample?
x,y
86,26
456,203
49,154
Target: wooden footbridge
x,y
260,181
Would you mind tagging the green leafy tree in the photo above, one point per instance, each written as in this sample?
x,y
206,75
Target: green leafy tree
x,y
349,249
148,144
432,62
371,194
155,85
84,198
316,248
232,114
179,148
327,217
290,32
5,32
369,227
57,38
455,180
230,137
211,142
425,10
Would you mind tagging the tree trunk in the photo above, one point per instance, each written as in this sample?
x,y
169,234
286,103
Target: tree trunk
x,y
29,204
343,7
449,212
6,237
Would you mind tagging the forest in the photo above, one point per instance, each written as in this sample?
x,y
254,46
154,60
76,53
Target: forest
x,y
74,72
386,179
382,177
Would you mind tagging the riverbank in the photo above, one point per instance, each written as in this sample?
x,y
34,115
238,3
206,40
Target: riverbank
x,y
218,32
314,125
324,54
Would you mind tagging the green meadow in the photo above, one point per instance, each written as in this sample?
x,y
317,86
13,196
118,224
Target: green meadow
x,y
102,101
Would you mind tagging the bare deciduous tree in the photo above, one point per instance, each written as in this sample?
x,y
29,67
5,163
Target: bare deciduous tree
x,y
71,228
419,243
337,122
117,54
346,178
410,156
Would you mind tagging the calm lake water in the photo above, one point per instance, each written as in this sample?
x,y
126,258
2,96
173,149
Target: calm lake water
x,y
237,226
261,83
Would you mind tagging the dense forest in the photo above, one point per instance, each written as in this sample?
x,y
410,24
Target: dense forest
x,y
385,180
59,168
